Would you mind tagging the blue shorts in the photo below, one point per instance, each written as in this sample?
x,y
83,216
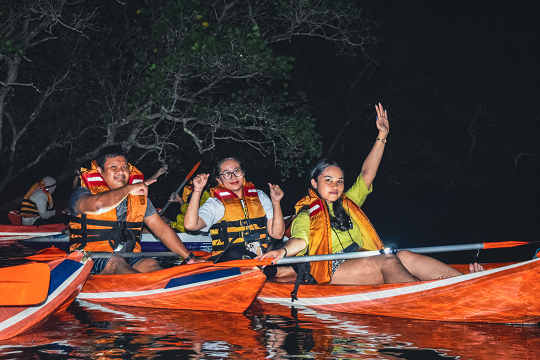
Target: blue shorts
x,y
99,264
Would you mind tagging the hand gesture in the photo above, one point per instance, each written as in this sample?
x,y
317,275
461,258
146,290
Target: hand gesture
x,y
175,198
140,188
162,170
382,120
276,194
199,182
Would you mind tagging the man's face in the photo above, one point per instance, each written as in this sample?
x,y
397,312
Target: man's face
x,y
115,172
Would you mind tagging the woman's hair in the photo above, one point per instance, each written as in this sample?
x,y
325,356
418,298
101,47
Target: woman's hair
x,y
341,220
220,162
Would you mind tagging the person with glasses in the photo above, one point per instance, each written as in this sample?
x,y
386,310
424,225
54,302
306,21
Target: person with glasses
x,y
240,218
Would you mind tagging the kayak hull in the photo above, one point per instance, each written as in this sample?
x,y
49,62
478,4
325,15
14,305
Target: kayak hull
x,y
67,279
19,232
187,287
507,294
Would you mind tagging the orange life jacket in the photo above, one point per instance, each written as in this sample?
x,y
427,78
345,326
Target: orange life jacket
x,y
320,235
103,233
28,207
239,225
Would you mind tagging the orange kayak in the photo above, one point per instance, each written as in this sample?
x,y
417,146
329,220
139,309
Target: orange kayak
x,y
188,287
20,232
66,279
504,293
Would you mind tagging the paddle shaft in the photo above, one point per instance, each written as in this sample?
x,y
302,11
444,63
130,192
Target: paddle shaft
x,y
330,257
180,187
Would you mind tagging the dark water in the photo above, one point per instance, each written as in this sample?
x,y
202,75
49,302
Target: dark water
x,y
88,331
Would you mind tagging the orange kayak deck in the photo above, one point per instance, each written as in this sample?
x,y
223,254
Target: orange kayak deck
x,y
187,287
67,277
501,294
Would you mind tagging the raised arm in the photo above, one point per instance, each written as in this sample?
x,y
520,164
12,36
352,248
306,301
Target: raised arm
x,y
192,220
371,164
276,225
160,172
108,200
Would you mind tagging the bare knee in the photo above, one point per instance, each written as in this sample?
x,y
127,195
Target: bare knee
x,y
406,256
115,265
390,261
147,265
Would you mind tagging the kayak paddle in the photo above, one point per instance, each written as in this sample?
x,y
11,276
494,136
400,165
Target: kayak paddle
x,y
181,186
26,284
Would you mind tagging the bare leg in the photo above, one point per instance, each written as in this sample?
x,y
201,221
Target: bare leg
x,y
118,265
424,267
381,269
147,265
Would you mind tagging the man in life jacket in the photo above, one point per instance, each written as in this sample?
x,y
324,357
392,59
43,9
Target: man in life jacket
x,y
37,205
109,210
238,216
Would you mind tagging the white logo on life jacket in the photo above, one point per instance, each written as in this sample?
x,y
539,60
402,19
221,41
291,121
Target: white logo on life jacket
x,y
137,181
95,178
252,190
314,208
225,193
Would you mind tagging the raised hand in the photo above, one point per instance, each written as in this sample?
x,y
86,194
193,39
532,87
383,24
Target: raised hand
x,y
382,120
276,194
162,170
199,182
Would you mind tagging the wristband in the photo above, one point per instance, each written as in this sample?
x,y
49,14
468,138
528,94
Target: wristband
x,y
381,140
285,252
189,257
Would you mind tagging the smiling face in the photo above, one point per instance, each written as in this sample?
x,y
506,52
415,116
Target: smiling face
x,y
115,172
234,184
329,184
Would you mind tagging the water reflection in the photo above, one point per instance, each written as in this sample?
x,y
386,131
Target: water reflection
x,y
89,331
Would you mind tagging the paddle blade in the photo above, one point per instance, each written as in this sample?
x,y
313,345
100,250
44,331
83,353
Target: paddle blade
x,y
24,284
504,244
193,170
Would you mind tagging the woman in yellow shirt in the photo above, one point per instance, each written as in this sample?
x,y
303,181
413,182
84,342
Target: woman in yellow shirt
x,y
330,221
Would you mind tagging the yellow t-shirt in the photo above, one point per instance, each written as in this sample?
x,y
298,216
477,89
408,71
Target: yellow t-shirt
x,y
340,239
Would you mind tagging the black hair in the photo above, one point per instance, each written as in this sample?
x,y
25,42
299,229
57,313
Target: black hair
x,y
217,169
340,220
108,152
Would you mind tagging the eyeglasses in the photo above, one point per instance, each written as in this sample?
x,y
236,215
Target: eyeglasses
x,y
228,174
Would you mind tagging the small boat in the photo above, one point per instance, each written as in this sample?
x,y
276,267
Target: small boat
x,y
67,277
20,232
503,293
149,243
202,286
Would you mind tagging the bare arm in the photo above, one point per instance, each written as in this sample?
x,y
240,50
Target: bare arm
x,y
108,200
276,225
192,220
371,164
292,247
168,236
158,173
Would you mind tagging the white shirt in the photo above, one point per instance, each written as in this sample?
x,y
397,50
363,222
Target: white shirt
x,y
41,200
213,210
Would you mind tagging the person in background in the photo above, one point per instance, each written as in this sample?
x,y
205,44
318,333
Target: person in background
x,y
184,202
37,205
